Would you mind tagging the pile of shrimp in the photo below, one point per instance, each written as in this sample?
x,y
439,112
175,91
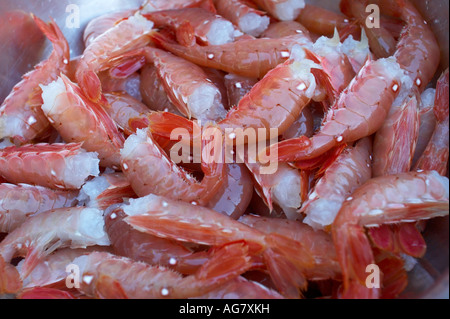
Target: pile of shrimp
x,y
93,205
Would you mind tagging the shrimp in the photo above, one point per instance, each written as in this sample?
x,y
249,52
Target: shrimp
x,y
133,244
108,276
394,148
359,112
122,108
418,51
150,171
56,166
192,93
130,34
100,25
153,92
51,272
40,235
18,202
189,223
427,122
417,41
283,10
77,119
318,243
324,22
259,110
196,25
234,198
403,197
395,141
242,14
349,171
243,57
284,29
21,117
435,156
241,288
